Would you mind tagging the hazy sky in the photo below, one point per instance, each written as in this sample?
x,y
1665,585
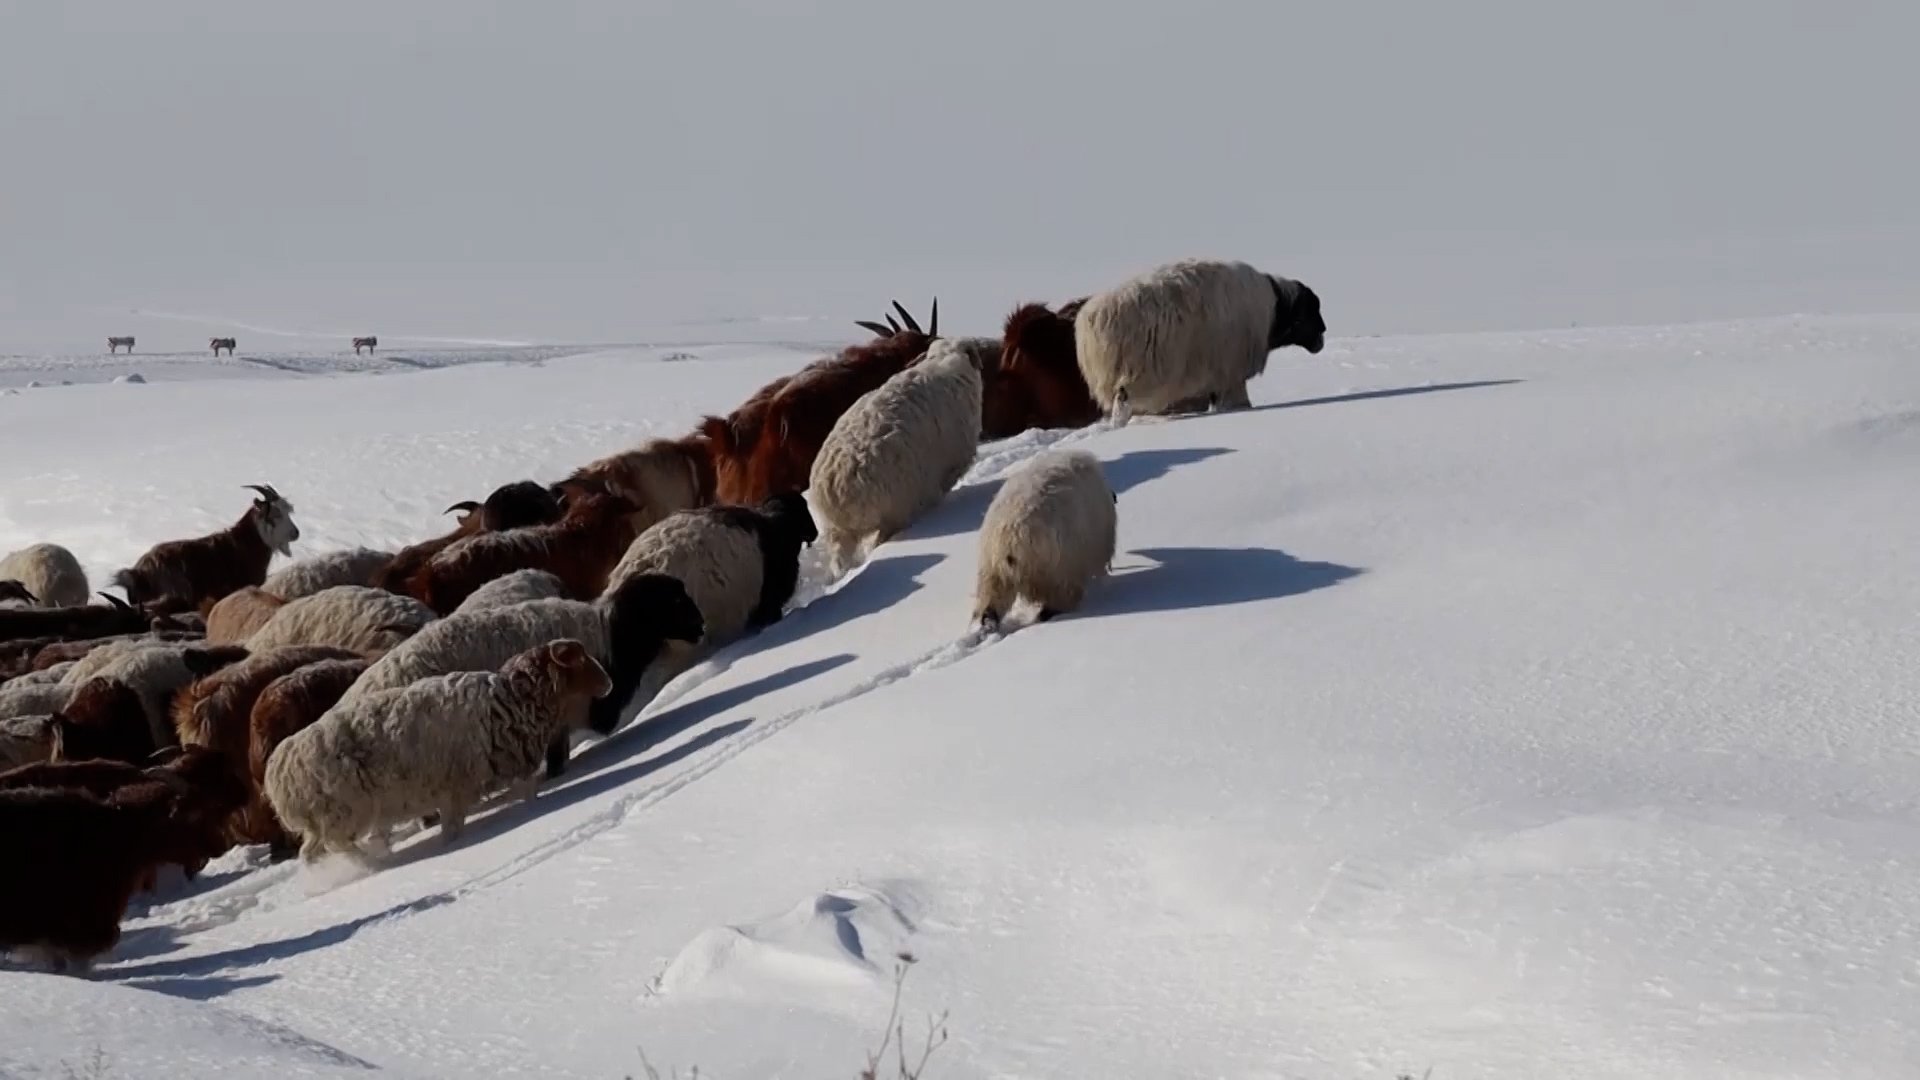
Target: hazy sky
x,y
596,169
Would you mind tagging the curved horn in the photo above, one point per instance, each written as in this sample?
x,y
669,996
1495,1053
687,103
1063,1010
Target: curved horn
x,y
266,492
468,505
908,317
116,601
933,322
865,324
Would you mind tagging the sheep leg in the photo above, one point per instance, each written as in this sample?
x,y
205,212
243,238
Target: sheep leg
x,y
376,844
1235,398
558,752
1122,410
525,790
453,821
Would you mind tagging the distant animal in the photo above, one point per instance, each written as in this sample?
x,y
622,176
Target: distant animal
x,y
1188,333
219,343
49,573
897,451
767,445
184,574
439,745
367,343
1049,532
115,344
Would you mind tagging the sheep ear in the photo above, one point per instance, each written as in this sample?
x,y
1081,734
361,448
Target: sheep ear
x,y
570,654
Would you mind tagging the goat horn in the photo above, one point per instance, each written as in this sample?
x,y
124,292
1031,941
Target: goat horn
x,y
469,506
116,601
933,323
266,492
904,314
873,326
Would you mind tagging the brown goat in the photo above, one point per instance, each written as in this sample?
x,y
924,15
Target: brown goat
x,y
1037,383
767,445
181,575
88,854
581,549
517,505
288,705
105,719
660,477
233,618
83,622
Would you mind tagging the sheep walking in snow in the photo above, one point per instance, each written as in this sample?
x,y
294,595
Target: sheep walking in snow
x,y
354,566
357,617
898,451
48,574
437,746
184,574
1188,332
1048,533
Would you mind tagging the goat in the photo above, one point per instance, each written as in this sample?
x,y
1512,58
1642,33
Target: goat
x,y
1037,383
219,343
768,444
580,549
659,477
184,574
367,343
115,344
516,505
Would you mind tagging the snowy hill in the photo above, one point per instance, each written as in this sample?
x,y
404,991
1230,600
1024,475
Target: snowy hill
x,y
1514,705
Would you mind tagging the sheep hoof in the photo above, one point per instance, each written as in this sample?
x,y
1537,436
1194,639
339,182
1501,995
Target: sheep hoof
x,y
1047,614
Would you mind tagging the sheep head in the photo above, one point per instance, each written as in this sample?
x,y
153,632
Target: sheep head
x,y
580,674
789,511
272,518
1296,317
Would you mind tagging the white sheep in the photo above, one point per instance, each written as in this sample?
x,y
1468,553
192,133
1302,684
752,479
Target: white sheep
x,y
155,671
515,588
1050,530
624,630
49,573
898,451
357,617
439,745
354,566
1190,333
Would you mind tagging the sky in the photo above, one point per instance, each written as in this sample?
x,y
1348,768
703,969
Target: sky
x,y
605,171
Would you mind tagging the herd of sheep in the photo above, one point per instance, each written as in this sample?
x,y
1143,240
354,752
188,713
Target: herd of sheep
x,y
318,707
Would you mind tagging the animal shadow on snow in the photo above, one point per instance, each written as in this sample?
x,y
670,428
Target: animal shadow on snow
x,y
966,507
1196,577
1369,395
880,584
208,976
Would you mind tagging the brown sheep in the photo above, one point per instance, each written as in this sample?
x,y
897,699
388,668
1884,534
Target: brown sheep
x,y
520,504
181,575
1037,383
767,445
89,854
580,549
105,719
660,477
233,618
289,704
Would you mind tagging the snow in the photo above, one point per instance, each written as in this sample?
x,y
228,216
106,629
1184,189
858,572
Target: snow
x,y
1510,704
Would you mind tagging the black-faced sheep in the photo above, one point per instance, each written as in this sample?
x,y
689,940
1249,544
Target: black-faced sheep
x,y
89,854
354,566
48,574
1049,532
184,574
440,745
898,451
625,630
233,618
1190,331
356,617
579,549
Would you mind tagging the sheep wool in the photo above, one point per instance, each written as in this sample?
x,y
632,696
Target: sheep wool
x,y
50,572
439,746
515,588
898,451
1187,333
354,566
1049,532
356,617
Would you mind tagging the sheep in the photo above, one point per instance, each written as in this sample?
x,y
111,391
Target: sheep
x,y
1190,331
25,740
288,704
154,673
188,573
740,566
579,549
88,854
767,446
48,574
1037,382
521,504
79,622
27,698
898,451
357,617
1050,530
437,746
354,566
234,618
658,477
515,588
626,630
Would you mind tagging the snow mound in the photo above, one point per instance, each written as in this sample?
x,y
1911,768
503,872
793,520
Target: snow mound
x,y
132,378
847,937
